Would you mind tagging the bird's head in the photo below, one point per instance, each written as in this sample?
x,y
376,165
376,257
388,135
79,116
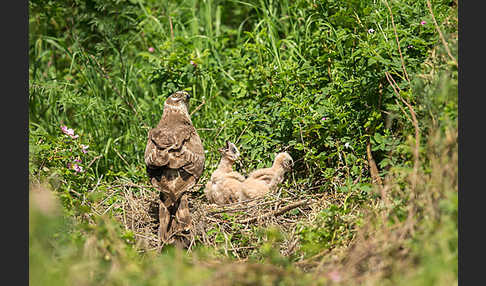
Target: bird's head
x,y
283,159
230,151
178,100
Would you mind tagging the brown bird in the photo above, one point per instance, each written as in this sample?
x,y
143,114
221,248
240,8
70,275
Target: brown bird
x,y
174,157
262,181
224,184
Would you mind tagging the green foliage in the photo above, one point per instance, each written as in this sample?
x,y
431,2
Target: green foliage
x,y
297,75
303,76
332,228
63,253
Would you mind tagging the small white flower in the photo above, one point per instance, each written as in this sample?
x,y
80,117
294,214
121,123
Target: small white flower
x,y
236,112
371,31
206,151
347,146
214,121
84,148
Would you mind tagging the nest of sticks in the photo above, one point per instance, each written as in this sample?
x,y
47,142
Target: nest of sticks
x,y
136,208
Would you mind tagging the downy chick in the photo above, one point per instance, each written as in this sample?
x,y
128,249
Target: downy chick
x,y
223,186
262,181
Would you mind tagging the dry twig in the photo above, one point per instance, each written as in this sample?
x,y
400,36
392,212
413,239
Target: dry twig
x,y
398,42
446,46
276,212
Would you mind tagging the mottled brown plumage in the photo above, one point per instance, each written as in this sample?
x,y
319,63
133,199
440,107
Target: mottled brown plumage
x,y
174,157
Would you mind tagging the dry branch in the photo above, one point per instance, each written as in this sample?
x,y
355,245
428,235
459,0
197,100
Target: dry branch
x,y
92,161
398,42
373,168
446,46
415,125
277,212
198,107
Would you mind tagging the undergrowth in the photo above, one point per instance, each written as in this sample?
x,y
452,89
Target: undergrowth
x,y
371,125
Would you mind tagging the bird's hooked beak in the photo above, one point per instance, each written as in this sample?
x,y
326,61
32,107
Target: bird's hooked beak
x,y
289,164
187,95
181,95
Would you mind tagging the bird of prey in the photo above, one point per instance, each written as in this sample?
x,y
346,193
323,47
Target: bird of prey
x,y
265,180
224,184
174,158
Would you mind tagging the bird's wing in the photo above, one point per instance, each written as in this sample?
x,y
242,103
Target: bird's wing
x,y
265,174
235,175
162,141
170,136
192,155
175,147
254,188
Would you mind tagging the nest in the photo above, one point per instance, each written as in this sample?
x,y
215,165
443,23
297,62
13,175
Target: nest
x,y
233,226
229,227
136,207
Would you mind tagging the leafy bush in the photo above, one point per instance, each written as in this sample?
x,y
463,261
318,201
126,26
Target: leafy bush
x,y
312,78
302,76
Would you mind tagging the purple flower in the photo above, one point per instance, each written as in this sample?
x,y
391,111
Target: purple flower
x,y
78,160
151,49
193,63
323,119
423,23
84,148
77,168
68,131
410,46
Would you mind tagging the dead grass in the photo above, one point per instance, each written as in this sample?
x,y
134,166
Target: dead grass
x,y
136,208
381,249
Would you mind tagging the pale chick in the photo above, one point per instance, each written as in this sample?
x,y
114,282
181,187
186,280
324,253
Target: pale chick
x,y
224,184
262,181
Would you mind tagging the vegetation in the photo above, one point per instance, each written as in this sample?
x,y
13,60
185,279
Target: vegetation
x,y
362,94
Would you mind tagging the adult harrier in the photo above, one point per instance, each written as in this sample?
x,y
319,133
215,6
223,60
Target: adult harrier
x,y
174,157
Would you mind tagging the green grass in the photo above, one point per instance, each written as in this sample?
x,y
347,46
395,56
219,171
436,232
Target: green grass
x,y
304,76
